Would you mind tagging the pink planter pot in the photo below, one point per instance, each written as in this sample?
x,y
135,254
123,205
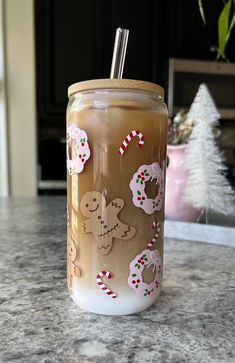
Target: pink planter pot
x,y
176,177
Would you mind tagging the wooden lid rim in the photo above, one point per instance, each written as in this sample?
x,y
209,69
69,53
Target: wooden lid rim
x,y
130,84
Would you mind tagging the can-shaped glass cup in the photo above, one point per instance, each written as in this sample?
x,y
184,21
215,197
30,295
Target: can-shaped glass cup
x,y
116,159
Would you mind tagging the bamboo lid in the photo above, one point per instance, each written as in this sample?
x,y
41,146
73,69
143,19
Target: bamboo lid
x,y
115,83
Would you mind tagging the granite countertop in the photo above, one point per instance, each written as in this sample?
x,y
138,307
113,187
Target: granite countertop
x,y
193,320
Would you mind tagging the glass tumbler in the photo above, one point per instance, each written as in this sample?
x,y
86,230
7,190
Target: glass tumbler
x,y
116,159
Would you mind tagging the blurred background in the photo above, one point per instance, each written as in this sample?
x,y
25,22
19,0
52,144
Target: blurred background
x,y
46,45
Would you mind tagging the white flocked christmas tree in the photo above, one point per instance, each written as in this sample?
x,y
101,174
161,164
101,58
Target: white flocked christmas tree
x,y
207,187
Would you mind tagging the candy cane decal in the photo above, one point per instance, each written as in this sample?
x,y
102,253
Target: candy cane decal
x,y
129,137
156,225
103,286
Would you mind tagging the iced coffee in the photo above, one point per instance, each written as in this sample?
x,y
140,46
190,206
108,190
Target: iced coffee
x,y
116,158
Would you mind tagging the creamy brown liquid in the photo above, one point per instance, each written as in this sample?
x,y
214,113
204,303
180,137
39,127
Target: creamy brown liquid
x,y
110,174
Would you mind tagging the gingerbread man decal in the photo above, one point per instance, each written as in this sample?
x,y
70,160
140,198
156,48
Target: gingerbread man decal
x,y
72,261
103,221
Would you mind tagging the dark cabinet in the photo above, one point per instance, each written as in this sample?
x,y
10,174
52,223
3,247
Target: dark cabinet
x,y
186,36
74,42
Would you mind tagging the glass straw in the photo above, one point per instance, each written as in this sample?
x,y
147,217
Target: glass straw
x,y
119,53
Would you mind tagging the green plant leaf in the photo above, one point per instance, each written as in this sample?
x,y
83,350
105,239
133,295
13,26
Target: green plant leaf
x,y
138,192
134,275
223,28
232,23
201,9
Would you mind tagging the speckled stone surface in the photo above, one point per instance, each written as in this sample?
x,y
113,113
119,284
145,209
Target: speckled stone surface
x,y
193,320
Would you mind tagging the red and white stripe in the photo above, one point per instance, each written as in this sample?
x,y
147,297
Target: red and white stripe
x,y
129,138
155,225
102,285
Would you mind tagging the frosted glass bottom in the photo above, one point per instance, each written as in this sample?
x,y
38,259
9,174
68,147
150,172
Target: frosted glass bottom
x,y
100,303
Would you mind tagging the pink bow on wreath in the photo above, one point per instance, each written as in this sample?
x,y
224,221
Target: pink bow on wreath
x,y
156,171
153,260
